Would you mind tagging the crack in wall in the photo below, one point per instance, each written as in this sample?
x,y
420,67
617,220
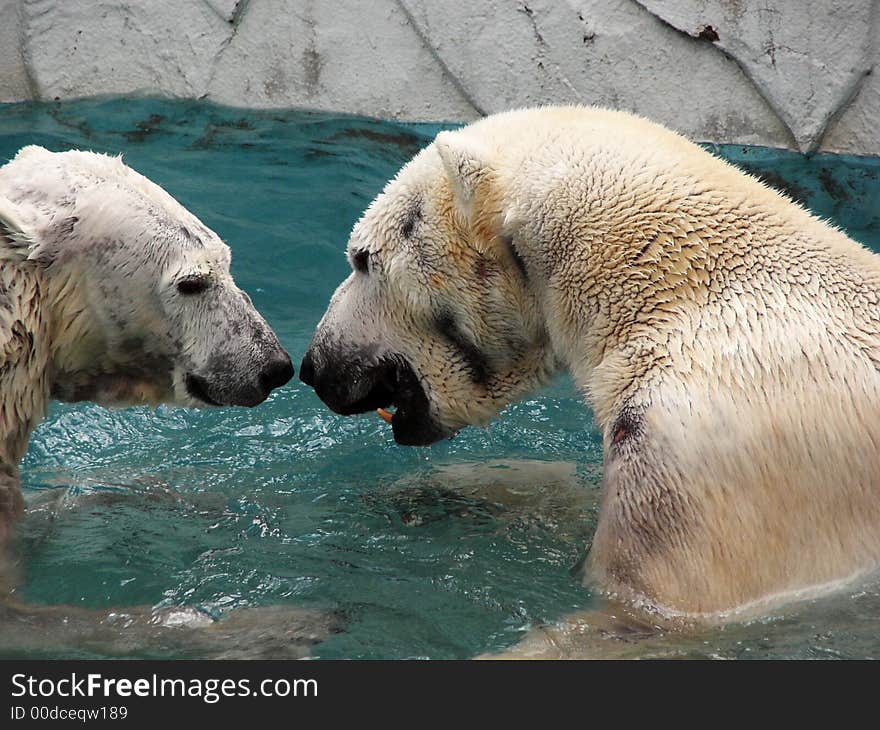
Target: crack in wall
x,y
238,13
435,54
26,18
24,53
700,37
806,121
856,87
802,110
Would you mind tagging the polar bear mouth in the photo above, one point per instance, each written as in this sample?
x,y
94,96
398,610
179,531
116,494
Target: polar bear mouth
x,y
411,422
349,386
197,388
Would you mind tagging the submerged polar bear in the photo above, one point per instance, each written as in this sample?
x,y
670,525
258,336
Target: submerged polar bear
x,y
727,341
111,291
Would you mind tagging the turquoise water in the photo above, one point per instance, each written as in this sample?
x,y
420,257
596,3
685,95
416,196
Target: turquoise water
x,y
443,552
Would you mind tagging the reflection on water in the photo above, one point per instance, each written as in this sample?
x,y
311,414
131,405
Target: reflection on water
x,y
445,552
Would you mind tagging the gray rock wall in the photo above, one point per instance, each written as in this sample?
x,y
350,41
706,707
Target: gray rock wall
x,y
784,73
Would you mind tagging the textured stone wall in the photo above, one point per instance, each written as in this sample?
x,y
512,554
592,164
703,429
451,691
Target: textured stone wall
x,y
784,73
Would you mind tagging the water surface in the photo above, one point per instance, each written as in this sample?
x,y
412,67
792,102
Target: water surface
x,y
443,552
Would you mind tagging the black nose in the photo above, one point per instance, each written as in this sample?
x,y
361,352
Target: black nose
x,y
307,370
276,373
356,383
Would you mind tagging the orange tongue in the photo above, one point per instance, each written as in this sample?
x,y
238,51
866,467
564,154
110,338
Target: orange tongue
x,y
385,415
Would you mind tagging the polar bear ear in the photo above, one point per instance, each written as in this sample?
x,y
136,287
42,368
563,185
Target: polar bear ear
x,y
16,237
466,162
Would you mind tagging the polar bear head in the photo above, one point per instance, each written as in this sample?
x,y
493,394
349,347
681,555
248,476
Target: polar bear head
x,y
136,291
437,318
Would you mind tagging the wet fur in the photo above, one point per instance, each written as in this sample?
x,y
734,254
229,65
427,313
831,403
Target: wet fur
x,y
90,254
727,341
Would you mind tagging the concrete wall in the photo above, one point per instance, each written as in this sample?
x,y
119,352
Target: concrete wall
x,y
785,73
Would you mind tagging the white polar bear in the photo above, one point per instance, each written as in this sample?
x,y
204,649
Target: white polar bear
x,y
113,292
727,341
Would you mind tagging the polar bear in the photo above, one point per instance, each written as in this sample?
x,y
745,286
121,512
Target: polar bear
x,y
727,341
111,291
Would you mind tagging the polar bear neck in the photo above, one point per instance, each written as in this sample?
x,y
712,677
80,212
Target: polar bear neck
x,y
650,261
84,366
25,356
75,339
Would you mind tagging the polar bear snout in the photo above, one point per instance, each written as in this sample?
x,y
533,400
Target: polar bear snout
x,y
276,373
351,382
227,388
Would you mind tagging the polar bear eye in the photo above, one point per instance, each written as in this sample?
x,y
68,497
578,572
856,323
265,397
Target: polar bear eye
x,y
360,260
193,285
